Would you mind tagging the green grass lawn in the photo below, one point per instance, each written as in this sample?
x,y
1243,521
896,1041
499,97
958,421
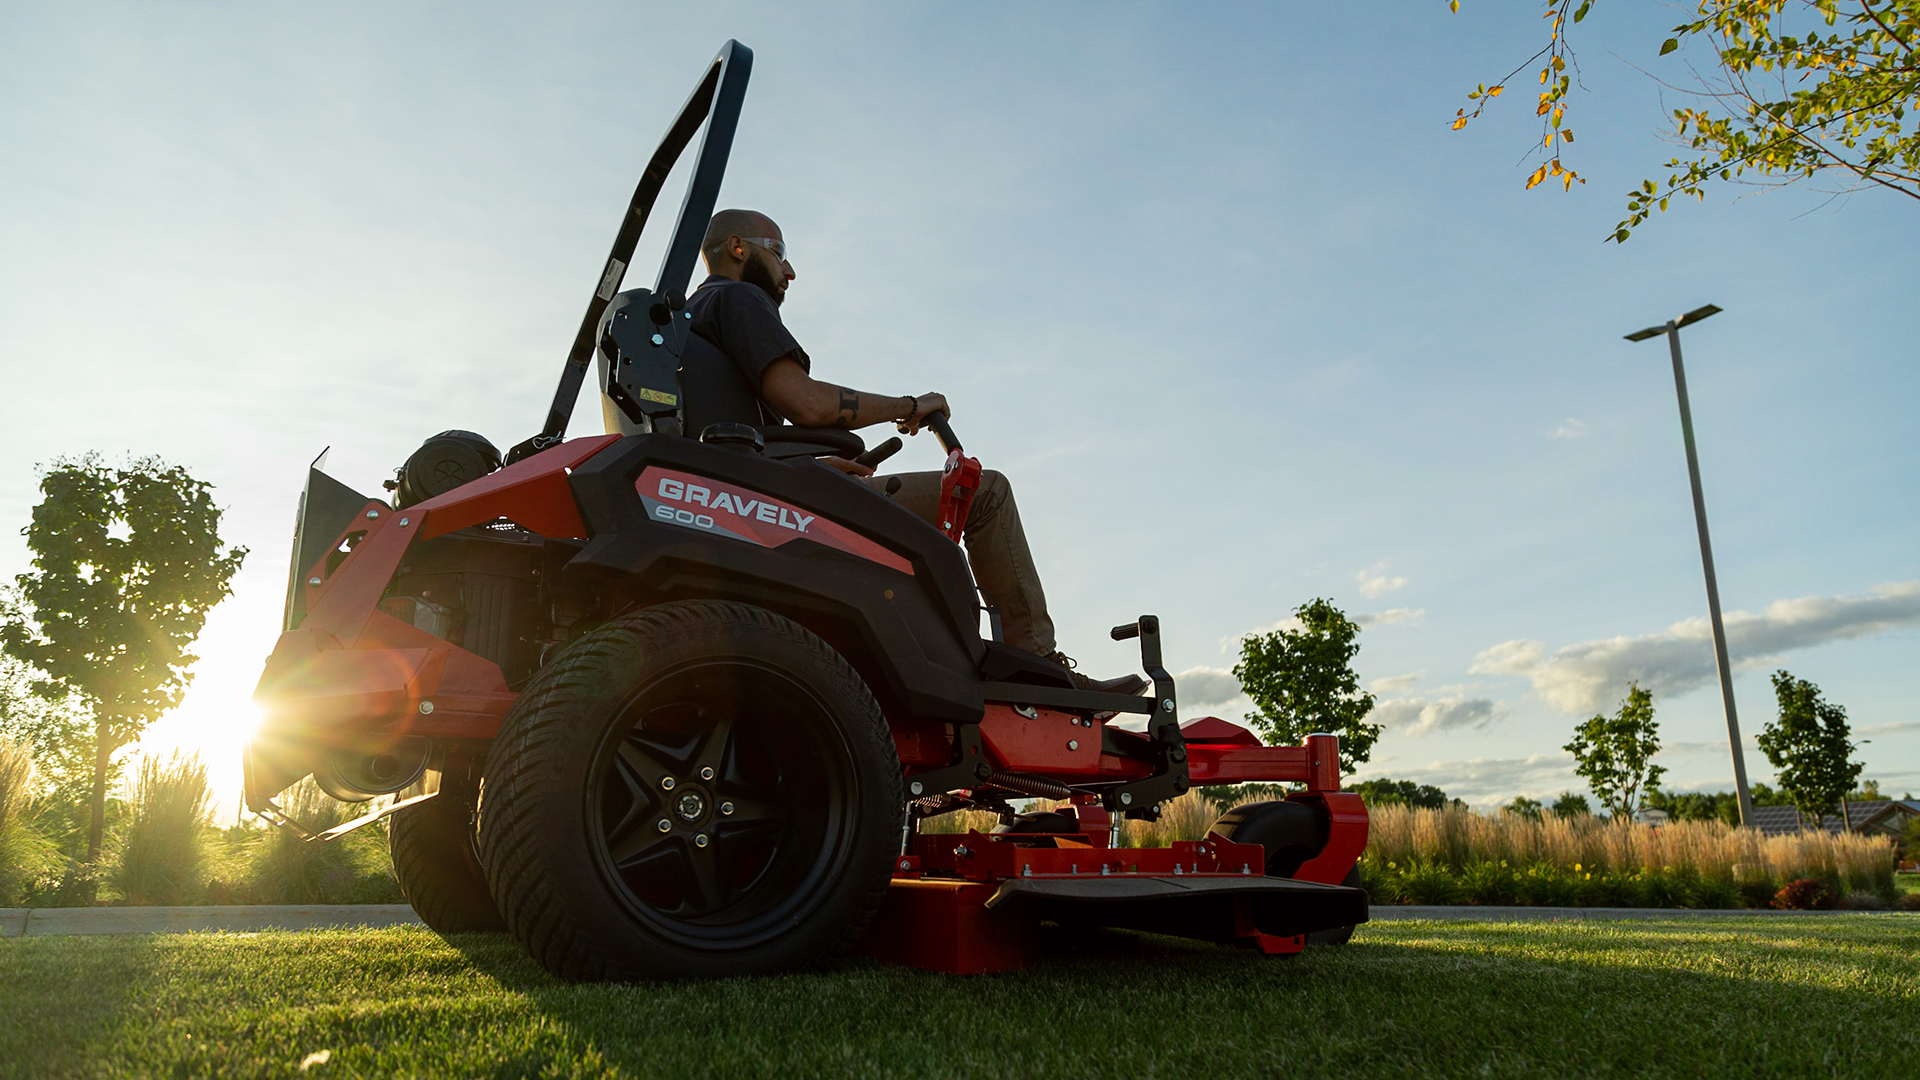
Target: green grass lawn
x,y
1788,996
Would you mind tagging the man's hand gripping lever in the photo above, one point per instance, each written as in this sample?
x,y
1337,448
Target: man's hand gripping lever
x,y
958,481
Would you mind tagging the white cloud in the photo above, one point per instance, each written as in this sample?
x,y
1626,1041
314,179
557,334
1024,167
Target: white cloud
x,y
1491,781
1570,428
1418,716
1374,580
1231,643
1391,616
1888,729
1592,676
1203,686
1393,684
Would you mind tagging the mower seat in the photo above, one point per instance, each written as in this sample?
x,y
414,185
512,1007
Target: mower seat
x,y
716,391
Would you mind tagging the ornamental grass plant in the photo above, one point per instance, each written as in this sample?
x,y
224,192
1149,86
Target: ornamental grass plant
x,y
24,853
284,868
1598,862
162,856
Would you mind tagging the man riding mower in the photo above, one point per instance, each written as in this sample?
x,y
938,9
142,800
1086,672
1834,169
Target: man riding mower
x,y
676,701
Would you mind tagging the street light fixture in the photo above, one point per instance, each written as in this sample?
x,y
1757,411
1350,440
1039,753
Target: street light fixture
x,y
1672,329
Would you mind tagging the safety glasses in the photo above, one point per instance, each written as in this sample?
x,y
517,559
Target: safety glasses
x,y
778,247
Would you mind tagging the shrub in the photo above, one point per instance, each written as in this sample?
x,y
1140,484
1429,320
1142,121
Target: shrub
x,y
1805,894
1382,882
1667,888
1428,883
1910,901
77,885
1541,885
161,859
1487,883
1720,894
1756,892
1862,901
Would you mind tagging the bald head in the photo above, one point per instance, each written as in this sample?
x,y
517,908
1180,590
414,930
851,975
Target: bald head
x,y
746,245
741,223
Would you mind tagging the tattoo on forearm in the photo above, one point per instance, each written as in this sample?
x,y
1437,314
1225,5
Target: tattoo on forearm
x,y
849,406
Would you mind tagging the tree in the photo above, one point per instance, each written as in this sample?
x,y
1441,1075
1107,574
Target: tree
x,y
1384,792
1523,807
1697,805
1809,748
127,562
1570,804
1301,681
1781,101
1614,754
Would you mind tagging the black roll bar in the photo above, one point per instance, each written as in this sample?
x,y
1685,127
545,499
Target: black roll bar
x,y
716,103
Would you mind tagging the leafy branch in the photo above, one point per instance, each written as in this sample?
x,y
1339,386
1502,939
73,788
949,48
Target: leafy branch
x,y
1783,105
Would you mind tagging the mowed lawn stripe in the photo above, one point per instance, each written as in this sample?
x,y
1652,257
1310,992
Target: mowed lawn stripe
x,y
1689,997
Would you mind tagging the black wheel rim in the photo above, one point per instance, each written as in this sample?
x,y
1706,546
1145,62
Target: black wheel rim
x,y
721,804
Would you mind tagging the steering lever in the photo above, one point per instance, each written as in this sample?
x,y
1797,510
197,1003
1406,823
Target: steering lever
x,y
880,453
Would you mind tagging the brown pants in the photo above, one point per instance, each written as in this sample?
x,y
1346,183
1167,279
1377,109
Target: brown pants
x,y
996,548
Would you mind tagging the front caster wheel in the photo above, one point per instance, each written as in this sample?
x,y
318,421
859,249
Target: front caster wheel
x,y
1292,833
437,862
699,789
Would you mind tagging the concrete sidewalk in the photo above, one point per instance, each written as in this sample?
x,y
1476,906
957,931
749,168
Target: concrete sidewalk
x,y
1408,912
56,922
53,922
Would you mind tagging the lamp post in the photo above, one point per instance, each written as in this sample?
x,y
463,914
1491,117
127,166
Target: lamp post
x,y
1672,329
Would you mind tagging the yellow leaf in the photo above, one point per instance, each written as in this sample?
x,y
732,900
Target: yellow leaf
x,y
1494,91
1460,123
1539,174
1455,5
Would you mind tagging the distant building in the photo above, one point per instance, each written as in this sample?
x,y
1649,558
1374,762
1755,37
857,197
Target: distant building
x,y
1885,816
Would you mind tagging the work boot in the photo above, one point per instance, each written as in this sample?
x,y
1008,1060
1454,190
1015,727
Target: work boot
x,y
1125,684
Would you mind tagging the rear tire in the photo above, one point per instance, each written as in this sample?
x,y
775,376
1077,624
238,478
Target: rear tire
x,y
436,859
758,748
1292,833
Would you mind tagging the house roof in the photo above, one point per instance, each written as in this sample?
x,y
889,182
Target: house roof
x,y
1879,814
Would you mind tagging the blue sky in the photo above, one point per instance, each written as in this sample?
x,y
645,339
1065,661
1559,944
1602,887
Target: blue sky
x,y
1217,287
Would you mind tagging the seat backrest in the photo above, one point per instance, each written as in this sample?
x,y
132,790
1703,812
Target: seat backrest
x,y
715,391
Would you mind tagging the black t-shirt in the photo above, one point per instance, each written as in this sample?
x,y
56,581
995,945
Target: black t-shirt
x,y
743,321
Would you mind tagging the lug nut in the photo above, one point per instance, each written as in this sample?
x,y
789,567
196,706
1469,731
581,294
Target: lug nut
x,y
1166,704
1126,798
666,783
700,840
1073,744
706,772
916,787
426,707
726,808
664,825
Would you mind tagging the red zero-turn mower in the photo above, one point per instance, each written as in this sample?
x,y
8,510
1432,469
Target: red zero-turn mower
x,y
676,702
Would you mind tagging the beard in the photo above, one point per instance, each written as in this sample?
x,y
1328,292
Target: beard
x,y
756,273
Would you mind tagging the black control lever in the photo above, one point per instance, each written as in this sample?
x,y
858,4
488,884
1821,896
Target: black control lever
x,y
937,423
1123,633
878,454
